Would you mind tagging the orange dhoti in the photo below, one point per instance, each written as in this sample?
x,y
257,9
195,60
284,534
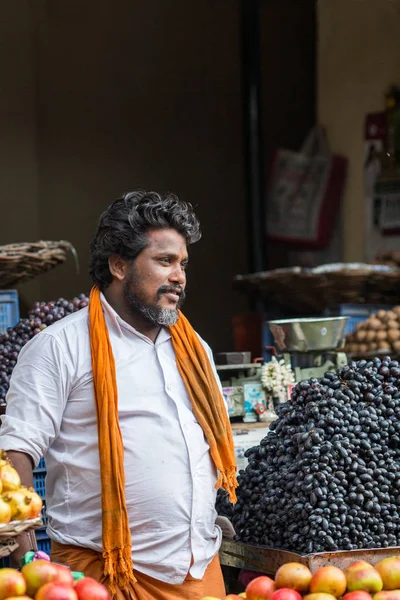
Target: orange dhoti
x,y
91,564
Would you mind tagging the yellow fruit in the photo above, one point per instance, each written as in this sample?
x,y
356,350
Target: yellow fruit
x,y
10,478
19,503
5,512
36,503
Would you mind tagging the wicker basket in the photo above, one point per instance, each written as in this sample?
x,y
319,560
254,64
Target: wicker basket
x,y
311,291
21,262
15,528
9,531
7,547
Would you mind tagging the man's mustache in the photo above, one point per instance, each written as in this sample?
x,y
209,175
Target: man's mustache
x,y
169,289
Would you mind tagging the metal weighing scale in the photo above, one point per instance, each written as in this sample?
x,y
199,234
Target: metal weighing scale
x,y
310,346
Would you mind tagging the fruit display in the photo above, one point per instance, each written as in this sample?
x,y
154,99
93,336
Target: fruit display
x,y
359,581
40,316
17,503
44,580
379,333
390,258
327,475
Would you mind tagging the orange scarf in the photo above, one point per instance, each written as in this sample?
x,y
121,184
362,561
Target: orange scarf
x,y
208,408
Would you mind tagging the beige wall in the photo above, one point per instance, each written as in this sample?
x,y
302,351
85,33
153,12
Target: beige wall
x,y
110,96
358,58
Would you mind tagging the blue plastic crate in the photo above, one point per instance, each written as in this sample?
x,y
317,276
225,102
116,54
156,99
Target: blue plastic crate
x,y
9,309
43,541
41,466
39,483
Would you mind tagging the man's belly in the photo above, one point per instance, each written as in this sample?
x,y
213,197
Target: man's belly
x,y
170,498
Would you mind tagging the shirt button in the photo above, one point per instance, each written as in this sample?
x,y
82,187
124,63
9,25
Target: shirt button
x,y
168,387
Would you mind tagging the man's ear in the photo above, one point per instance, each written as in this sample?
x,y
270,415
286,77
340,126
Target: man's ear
x,y
118,267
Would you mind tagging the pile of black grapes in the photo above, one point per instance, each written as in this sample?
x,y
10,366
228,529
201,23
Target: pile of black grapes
x,y
41,315
327,475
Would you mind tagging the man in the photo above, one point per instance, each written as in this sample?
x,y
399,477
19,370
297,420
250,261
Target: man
x,y
122,400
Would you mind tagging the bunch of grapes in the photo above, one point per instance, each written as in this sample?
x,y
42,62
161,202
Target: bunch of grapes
x,y
41,315
327,475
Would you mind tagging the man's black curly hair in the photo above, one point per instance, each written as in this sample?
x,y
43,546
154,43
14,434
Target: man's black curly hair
x,y
122,228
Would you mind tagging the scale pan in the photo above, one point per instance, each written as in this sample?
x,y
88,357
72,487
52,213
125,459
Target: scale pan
x,y
308,335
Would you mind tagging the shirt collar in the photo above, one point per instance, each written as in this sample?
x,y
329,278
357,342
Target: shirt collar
x,y
120,327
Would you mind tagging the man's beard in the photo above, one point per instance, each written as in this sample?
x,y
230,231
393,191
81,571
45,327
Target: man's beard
x,y
151,313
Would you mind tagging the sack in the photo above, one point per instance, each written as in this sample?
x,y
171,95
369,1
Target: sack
x,y
304,193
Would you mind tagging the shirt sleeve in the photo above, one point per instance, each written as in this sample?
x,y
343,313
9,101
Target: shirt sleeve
x,y
36,399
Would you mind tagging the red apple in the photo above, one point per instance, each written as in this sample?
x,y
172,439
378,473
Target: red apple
x,y
261,588
56,591
90,589
286,594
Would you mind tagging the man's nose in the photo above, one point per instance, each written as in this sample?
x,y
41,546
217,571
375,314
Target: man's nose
x,y
178,275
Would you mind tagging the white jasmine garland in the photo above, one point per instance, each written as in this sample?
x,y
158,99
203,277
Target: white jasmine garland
x,y
276,376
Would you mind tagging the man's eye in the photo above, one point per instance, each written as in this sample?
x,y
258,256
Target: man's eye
x,y
165,260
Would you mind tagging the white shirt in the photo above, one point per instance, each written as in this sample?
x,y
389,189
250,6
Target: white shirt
x,y
170,476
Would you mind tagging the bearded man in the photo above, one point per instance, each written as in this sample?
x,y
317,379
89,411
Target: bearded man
x,y
123,401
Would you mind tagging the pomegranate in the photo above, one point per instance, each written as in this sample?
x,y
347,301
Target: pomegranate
x,y
261,588
36,503
56,591
389,570
19,504
329,580
90,589
295,576
64,575
12,583
9,478
5,511
38,573
286,594
361,576
360,595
